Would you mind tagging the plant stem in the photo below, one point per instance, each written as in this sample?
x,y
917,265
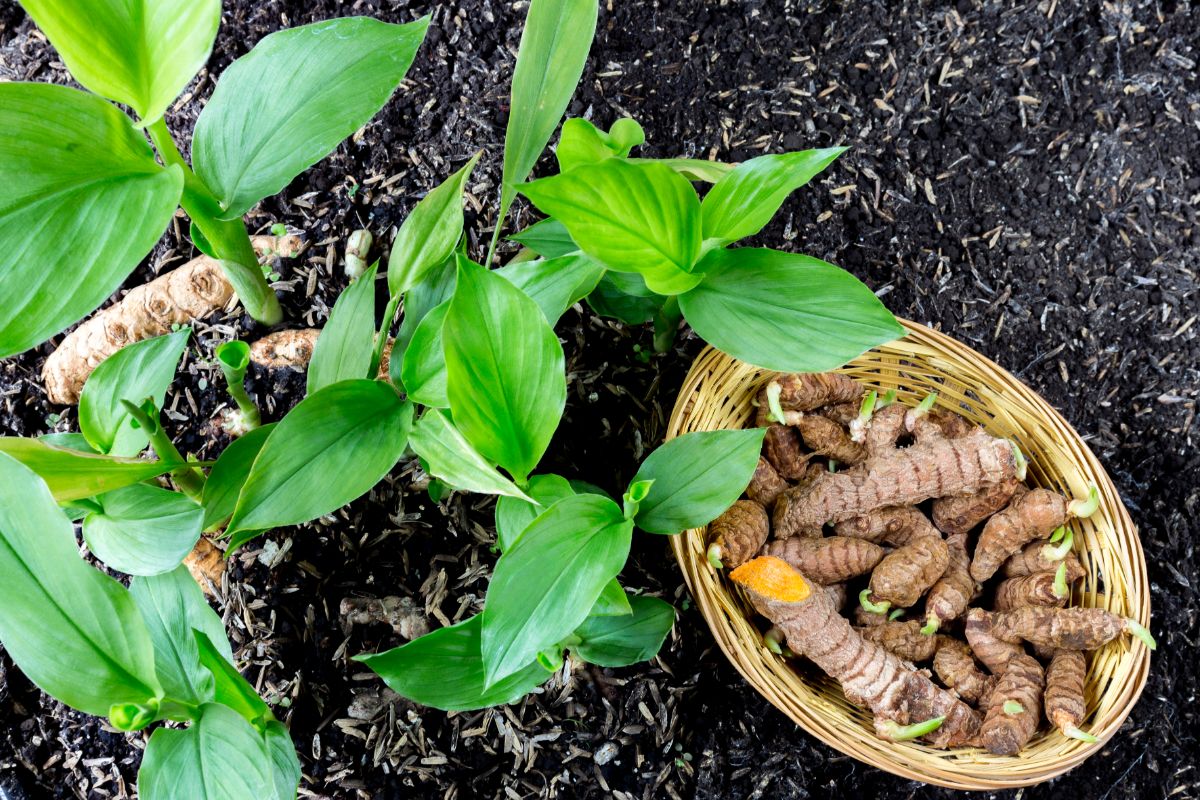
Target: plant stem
x,y
189,481
229,238
385,327
666,324
250,413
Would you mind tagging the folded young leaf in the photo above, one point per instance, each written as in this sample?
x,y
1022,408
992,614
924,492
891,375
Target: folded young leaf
x,y
612,602
431,291
555,284
229,687
137,52
696,477
429,233
784,311
451,458
221,757
288,102
343,350
143,530
505,367
444,670
330,449
81,177
618,641
73,631
695,169
424,370
743,201
625,296
74,475
581,142
633,217
513,514
548,238
545,585
172,605
136,371
229,474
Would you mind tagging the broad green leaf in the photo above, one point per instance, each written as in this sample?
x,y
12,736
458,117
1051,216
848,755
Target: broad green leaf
x,y
136,371
443,669
513,514
330,449
230,688
696,477
554,47
555,284
221,757
434,289
548,238
640,217
73,631
172,605
287,103
612,602
581,142
228,475
545,585
612,298
344,348
285,766
68,441
424,370
74,475
138,52
784,311
695,169
428,235
449,456
505,370
743,202
83,202
620,641
143,530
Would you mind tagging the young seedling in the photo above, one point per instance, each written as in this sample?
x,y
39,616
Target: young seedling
x,y
146,418
234,360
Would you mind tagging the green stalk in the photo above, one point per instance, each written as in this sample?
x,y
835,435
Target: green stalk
x,y
234,359
229,238
666,324
189,480
904,733
385,328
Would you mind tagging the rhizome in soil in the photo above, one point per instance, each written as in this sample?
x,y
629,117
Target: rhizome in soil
x,y
1021,177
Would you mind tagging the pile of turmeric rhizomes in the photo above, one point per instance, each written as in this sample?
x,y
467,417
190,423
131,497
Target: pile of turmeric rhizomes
x,y
962,566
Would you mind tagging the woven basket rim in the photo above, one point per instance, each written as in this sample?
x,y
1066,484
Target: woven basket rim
x,y
1123,667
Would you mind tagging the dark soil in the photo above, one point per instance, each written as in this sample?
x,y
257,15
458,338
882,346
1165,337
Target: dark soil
x,y
1023,176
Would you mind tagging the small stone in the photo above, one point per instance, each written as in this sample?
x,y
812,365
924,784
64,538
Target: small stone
x,y
606,753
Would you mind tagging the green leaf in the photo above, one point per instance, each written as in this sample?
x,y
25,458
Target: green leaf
x,y
640,217
424,370
221,757
743,202
434,289
73,631
695,169
443,669
581,142
621,641
68,441
138,52
344,348
450,457
514,514
429,233
696,477
505,370
612,298
330,449
285,766
548,238
84,201
545,585
143,530
554,48
172,605
612,602
555,284
136,371
74,475
287,103
229,474
230,688
784,311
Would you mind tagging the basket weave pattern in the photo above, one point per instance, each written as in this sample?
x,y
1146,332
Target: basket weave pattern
x,y
718,393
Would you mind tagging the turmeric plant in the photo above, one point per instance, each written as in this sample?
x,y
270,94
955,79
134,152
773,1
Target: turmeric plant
x,y
86,199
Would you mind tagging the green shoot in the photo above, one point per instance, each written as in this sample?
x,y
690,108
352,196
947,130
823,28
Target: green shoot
x,y
145,416
773,640
1012,707
905,733
773,391
1022,465
234,360
714,556
895,615
1061,590
1085,508
1139,630
932,623
1071,732
864,599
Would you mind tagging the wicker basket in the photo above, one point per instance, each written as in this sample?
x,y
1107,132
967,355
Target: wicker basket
x,y
717,394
